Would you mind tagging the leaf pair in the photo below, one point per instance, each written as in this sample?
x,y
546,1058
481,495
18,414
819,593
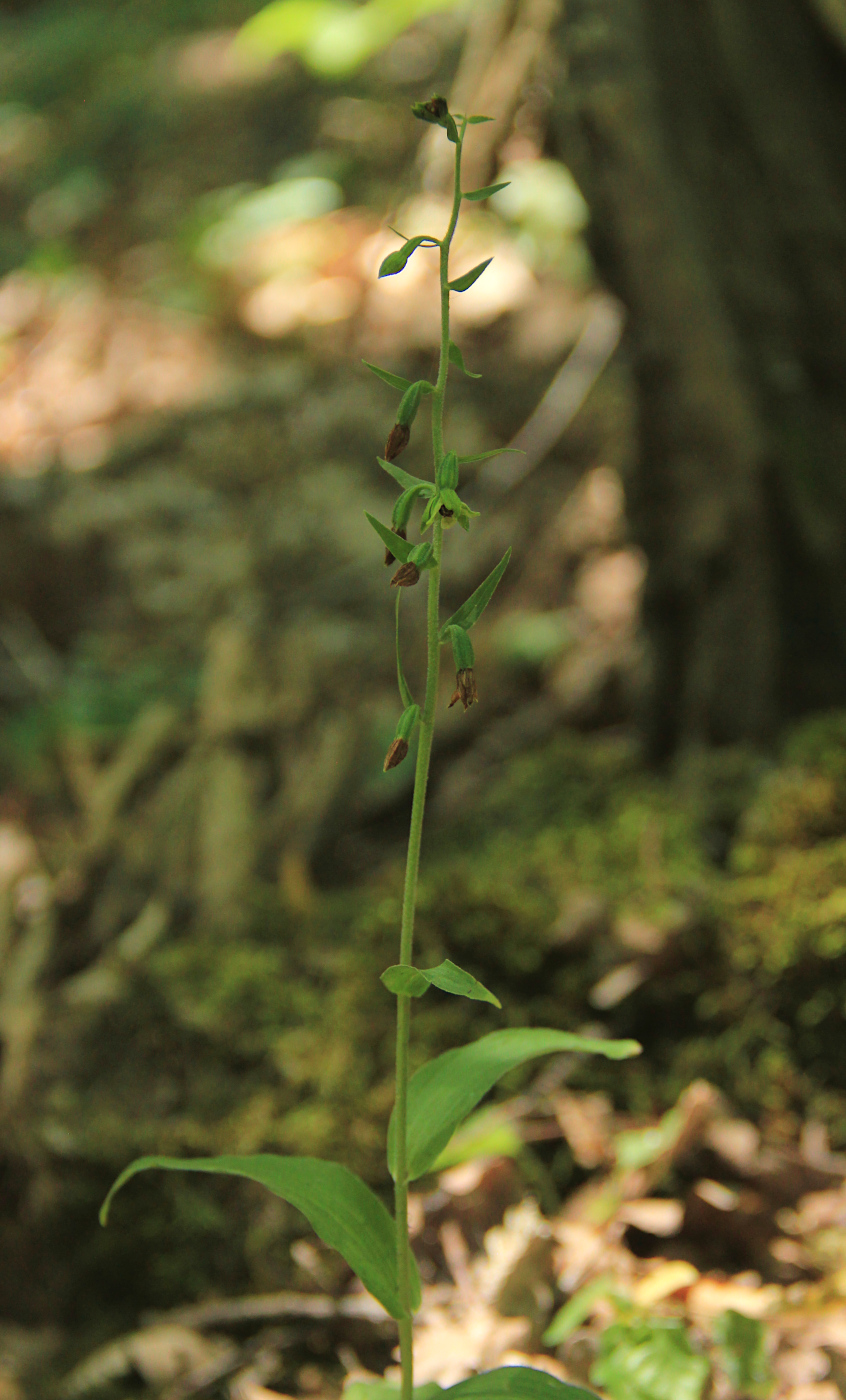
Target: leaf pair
x,y
340,1208
407,981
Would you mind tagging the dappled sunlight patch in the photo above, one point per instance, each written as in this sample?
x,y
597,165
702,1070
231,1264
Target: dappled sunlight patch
x,y
78,360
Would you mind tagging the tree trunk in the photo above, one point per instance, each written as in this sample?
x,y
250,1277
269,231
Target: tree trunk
x,y
709,138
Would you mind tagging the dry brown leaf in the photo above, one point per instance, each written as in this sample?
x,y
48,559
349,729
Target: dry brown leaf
x,y
653,1215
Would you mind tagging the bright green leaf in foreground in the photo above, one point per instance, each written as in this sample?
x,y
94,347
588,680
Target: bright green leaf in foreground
x,y
470,612
649,1361
743,1351
463,283
443,1092
340,1208
413,982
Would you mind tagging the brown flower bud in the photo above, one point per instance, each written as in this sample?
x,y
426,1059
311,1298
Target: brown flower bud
x,y
395,755
433,111
406,576
389,557
398,440
465,689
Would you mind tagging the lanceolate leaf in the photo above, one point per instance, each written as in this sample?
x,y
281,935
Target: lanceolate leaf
x,y
456,358
474,121
405,479
398,546
444,1091
470,612
413,982
396,261
340,1208
396,381
516,1383
461,284
486,192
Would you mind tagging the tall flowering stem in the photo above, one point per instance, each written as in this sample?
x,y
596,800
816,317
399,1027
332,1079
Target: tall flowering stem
x,y
421,779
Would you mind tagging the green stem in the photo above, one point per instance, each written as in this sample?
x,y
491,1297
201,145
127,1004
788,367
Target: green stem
x,y
443,365
415,835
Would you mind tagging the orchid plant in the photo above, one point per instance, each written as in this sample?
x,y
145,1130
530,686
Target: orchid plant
x,y
434,1101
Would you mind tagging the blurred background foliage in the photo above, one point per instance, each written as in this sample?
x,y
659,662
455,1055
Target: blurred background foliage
x,y
642,827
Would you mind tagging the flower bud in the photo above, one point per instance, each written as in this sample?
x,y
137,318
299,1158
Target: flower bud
x,y
395,755
434,111
406,576
398,439
389,557
465,688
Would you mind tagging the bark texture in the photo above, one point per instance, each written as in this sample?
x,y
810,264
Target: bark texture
x,y
710,140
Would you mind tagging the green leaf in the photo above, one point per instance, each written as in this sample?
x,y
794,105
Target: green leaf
x,y
474,121
456,358
743,1351
486,192
405,479
344,1212
517,1383
398,546
447,976
470,612
395,381
451,129
483,456
444,1091
396,261
649,1361
461,284
577,1309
